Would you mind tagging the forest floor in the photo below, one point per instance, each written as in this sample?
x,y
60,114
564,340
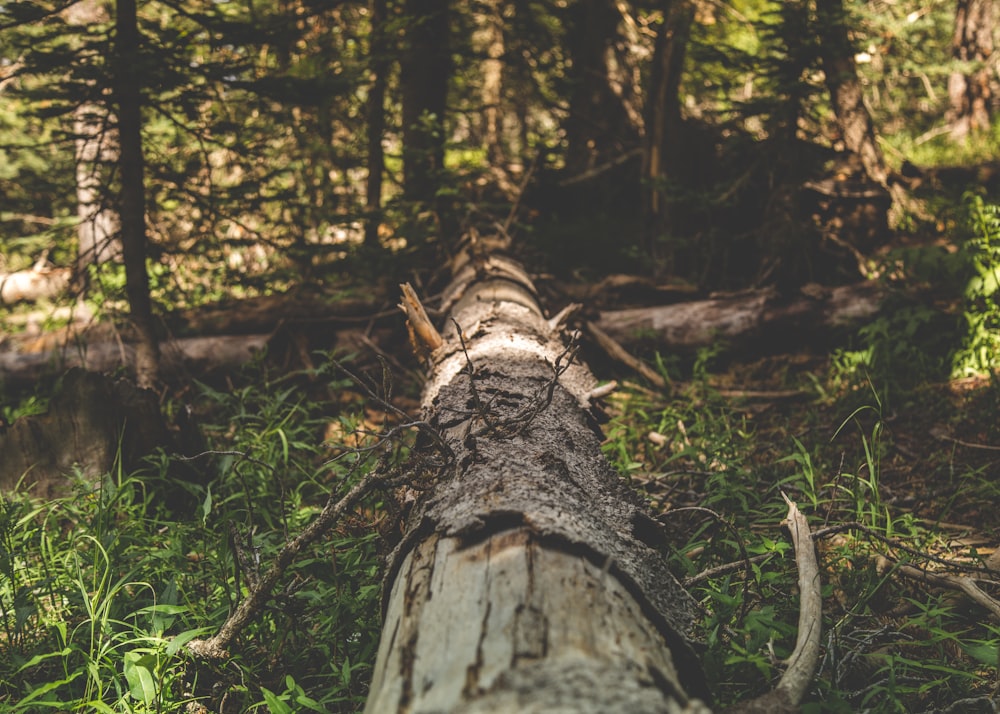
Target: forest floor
x,y
896,472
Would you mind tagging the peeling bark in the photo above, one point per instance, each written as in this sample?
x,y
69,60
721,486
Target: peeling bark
x,y
530,578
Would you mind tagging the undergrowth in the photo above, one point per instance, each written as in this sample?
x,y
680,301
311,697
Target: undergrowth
x,y
715,468
100,589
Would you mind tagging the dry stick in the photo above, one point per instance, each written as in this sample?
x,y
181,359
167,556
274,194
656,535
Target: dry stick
x,y
620,354
802,664
216,647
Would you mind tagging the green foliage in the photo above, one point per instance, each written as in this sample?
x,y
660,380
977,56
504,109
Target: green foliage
x,y
717,482
980,349
101,589
913,342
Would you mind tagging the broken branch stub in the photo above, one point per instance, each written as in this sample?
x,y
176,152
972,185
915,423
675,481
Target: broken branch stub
x,y
530,577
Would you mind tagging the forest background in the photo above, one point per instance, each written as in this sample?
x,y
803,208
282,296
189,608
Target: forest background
x,y
267,173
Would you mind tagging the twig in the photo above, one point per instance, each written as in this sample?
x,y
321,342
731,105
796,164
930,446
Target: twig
x,y
727,568
795,681
620,354
217,646
748,577
477,401
875,535
598,170
939,433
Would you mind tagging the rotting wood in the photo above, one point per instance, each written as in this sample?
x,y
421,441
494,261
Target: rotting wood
x,y
530,577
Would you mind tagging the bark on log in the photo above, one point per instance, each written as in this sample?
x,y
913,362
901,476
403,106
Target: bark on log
x,y
530,578
752,318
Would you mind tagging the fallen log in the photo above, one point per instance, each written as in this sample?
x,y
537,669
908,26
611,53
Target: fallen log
x,y
530,577
758,318
181,356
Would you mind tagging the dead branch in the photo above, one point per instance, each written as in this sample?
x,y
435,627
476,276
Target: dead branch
x,y
962,583
618,353
802,664
423,334
217,646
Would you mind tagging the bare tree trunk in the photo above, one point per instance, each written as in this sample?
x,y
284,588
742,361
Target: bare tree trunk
x,y
969,93
96,149
661,156
376,121
491,39
847,97
598,127
133,200
846,94
531,578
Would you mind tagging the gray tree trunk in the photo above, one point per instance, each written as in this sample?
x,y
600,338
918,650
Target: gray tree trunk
x,y
530,578
96,144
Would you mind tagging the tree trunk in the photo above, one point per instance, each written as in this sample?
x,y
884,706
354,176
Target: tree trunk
x,y
969,92
491,40
530,578
661,162
180,358
846,95
752,321
598,127
96,150
424,72
376,121
132,199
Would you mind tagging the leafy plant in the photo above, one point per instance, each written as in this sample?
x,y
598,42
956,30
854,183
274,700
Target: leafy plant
x,y
980,350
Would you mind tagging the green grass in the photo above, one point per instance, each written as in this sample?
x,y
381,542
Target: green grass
x,y
889,644
101,589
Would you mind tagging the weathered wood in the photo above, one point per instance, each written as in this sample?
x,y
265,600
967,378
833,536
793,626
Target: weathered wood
x,y
185,355
756,316
530,577
526,627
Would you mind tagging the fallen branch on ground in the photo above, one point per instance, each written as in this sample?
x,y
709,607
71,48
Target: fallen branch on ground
x,y
962,583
